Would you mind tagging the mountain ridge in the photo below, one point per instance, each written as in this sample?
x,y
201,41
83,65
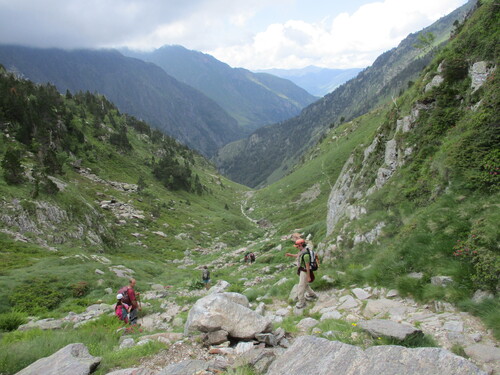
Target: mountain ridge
x,y
253,99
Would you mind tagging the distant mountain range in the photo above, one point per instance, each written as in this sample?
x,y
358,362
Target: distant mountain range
x,y
317,81
253,99
271,152
146,91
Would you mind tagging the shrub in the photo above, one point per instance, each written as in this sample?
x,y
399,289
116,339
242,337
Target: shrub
x,y
11,320
80,289
38,295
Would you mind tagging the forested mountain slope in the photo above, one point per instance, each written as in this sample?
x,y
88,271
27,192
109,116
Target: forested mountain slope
x,y
137,88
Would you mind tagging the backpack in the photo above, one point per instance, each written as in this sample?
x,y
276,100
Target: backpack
x,y
313,259
124,292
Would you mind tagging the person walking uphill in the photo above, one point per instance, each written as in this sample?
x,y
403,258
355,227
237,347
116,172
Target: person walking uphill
x,y
205,276
306,274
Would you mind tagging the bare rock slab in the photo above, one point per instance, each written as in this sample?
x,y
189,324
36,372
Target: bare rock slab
x,y
390,329
228,312
318,356
187,367
73,359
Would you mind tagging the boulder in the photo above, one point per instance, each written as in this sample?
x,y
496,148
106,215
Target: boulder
x,y
216,337
220,287
318,356
186,367
73,359
388,328
484,353
228,312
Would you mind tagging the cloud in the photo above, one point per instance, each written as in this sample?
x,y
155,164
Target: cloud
x,y
349,40
223,28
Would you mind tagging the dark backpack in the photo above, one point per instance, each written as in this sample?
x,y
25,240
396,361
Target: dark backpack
x,y
313,260
206,274
124,292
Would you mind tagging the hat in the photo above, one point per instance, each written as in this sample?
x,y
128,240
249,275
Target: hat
x,y
300,242
119,296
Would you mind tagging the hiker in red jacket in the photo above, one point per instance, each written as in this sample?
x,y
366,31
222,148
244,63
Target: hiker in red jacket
x,y
134,306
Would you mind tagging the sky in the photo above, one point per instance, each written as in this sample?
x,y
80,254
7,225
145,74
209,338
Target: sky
x,y
254,34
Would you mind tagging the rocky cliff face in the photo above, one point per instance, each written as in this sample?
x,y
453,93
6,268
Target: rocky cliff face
x,y
377,163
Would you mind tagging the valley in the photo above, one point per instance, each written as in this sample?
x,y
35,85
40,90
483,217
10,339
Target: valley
x,y
399,200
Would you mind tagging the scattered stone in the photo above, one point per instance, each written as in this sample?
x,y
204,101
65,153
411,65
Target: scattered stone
x,y
73,359
127,343
122,271
454,326
108,291
360,294
484,353
133,371
216,337
347,303
220,287
392,293
479,72
436,81
416,275
306,324
99,272
390,329
267,338
481,295
331,315
441,280
45,324
322,357
186,367
243,347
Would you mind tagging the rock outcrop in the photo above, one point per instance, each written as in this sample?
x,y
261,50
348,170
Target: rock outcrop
x,y
73,359
312,355
228,312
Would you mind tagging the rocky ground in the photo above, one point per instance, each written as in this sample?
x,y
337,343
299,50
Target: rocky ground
x,y
378,311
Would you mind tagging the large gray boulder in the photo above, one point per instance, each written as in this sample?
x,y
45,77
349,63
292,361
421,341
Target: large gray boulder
x,y
390,329
313,355
228,312
73,359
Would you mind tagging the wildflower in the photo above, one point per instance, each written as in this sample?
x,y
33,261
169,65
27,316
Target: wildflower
x,y
354,324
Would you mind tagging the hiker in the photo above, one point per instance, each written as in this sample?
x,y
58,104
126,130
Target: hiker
x,y
306,275
205,276
121,308
251,256
130,297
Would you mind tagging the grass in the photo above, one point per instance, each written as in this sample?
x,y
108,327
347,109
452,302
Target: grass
x,y
20,348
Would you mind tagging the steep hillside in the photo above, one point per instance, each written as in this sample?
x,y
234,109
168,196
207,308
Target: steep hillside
x,y
407,195
278,147
251,98
138,88
318,81
79,181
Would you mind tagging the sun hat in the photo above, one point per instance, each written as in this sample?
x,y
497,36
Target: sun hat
x,y
119,296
